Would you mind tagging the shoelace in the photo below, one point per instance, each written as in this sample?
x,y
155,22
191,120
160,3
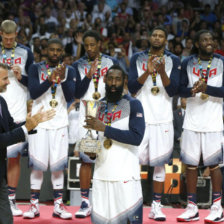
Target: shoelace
x,y
33,206
214,208
62,208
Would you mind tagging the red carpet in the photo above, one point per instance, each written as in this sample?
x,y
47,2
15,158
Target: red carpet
x,y
46,216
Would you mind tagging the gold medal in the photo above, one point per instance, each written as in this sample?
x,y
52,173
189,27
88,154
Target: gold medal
x,y
107,143
204,96
96,95
155,90
53,103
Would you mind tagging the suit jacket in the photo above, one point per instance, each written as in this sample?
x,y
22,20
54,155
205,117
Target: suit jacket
x,y
10,133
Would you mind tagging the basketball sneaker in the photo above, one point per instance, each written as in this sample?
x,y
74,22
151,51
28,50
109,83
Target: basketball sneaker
x,y
15,210
84,211
190,214
216,214
33,211
60,211
156,212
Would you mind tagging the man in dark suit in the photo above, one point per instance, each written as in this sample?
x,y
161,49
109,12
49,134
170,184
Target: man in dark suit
x,y
11,133
178,119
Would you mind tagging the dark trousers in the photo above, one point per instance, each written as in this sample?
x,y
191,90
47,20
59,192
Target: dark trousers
x,y
5,211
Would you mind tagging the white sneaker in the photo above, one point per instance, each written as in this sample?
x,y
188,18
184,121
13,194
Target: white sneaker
x,y
33,211
216,214
60,212
190,214
156,212
84,211
15,210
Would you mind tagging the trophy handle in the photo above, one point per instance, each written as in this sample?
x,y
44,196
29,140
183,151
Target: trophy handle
x,y
89,134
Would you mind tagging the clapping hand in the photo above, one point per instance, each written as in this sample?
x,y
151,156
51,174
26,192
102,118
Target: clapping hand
x,y
156,63
60,71
17,71
199,86
39,117
93,68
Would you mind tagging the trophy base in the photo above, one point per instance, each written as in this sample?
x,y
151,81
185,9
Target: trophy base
x,y
90,146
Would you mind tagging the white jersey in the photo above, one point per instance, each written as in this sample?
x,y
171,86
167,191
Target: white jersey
x,y
204,115
157,109
40,91
82,67
120,161
17,94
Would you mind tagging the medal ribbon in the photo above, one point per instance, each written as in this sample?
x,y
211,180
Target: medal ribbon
x,y
5,56
96,76
109,120
203,77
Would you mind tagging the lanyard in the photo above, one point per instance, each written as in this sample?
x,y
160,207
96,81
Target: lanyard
x,y
96,76
203,77
5,56
154,74
109,120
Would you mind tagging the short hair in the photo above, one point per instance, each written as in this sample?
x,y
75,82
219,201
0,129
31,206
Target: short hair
x,y
194,49
199,33
117,67
8,26
160,28
92,33
4,66
54,41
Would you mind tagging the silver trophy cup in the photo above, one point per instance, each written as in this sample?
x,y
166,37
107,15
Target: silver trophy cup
x,y
89,145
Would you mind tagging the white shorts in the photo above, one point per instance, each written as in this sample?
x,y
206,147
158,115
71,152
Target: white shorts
x,y
205,144
157,145
14,150
117,202
48,147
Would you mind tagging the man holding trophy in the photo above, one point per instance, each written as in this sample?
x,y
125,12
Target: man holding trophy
x,y
117,195
202,84
90,71
51,85
154,78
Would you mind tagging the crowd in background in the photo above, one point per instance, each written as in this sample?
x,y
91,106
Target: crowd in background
x,y
124,24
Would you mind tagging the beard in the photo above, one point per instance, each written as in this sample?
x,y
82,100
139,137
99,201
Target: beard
x,y
206,53
3,89
113,97
157,48
54,61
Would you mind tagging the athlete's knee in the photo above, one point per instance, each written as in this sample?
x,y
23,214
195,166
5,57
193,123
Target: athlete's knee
x,y
14,160
214,167
190,167
87,165
57,179
36,179
159,173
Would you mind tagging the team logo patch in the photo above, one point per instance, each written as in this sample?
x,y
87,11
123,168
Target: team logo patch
x,y
139,115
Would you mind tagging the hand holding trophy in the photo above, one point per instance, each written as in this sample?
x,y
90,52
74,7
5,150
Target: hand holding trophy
x,y
89,145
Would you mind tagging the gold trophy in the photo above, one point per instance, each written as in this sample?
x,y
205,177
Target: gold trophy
x,y
88,144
